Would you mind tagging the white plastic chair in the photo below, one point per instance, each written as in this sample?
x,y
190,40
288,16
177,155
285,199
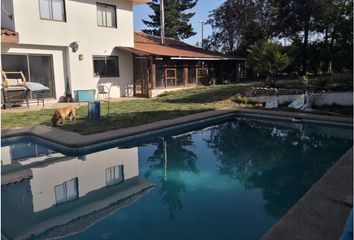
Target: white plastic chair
x,y
104,94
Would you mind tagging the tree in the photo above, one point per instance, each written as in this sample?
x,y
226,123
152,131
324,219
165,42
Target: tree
x,y
337,26
176,19
173,158
260,155
267,58
238,24
318,20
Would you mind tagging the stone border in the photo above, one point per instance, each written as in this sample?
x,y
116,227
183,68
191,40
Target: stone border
x,y
76,140
318,98
322,212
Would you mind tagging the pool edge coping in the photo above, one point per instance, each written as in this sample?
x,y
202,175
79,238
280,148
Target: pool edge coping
x,y
322,203
76,140
60,136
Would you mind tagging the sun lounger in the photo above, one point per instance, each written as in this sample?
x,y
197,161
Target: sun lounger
x,y
16,89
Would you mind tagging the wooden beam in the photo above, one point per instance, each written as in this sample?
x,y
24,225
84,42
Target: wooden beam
x,y
185,75
153,73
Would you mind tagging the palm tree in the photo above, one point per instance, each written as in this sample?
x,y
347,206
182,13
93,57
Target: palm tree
x,y
267,58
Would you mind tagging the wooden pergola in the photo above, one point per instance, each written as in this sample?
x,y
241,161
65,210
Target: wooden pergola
x,y
176,64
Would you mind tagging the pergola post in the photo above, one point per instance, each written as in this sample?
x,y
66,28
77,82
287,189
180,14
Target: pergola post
x,y
185,75
153,73
238,71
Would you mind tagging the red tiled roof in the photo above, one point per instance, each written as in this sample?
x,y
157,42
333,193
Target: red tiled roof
x,y
145,44
9,36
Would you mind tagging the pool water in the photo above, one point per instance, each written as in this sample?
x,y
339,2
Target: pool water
x,y
233,180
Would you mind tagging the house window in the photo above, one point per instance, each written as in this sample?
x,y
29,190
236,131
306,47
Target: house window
x,y
114,175
52,9
66,191
191,75
106,66
106,15
170,76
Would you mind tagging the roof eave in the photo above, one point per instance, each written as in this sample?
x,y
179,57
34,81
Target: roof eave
x,y
137,2
9,39
209,58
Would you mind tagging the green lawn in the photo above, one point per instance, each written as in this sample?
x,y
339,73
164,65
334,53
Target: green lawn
x,y
136,112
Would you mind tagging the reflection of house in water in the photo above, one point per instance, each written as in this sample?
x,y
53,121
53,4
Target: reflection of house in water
x,y
25,153
69,196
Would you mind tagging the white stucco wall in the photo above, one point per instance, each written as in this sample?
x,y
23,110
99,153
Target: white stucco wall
x,y
319,99
80,26
91,174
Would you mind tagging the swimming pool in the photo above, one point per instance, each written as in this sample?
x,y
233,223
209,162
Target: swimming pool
x,y
231,180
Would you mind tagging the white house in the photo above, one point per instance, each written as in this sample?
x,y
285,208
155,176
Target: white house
x,y
70,45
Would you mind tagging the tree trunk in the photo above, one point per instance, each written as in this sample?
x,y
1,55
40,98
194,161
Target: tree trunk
x,y
305,47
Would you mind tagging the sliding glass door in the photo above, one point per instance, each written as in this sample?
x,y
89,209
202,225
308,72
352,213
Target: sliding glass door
x,y
15,63
41,71
36,68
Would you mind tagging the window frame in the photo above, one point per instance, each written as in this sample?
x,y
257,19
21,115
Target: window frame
x,y
173,78
51,6
114,180
105,60
115,14
65,190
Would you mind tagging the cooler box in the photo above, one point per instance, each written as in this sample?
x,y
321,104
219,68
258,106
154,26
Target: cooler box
x,y
85,95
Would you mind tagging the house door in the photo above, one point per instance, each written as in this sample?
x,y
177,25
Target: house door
x,y
41,71
141,77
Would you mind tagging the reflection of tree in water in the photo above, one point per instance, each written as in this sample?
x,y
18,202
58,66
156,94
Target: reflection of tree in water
x,y
284,163
172,158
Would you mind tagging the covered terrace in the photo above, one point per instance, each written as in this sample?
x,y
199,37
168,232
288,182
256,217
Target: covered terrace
x,y
174,65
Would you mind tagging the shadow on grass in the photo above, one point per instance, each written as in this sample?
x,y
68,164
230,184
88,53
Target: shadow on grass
x,y
207,95
124,120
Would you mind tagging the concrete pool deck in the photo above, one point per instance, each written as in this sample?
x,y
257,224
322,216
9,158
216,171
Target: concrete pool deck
x,y
320,214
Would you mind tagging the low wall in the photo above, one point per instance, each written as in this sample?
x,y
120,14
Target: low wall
x,y
319,99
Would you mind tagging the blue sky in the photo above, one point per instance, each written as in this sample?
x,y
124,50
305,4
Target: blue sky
x,y
202,10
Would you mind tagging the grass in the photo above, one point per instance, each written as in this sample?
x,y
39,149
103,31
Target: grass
x,y
136,112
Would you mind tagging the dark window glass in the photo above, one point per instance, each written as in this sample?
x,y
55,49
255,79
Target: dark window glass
x,y
99,66
180,76
106,66
42,72
160,76
112,66
15,63
191,75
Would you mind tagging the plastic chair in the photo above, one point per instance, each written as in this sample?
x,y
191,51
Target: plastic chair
x,y
103,94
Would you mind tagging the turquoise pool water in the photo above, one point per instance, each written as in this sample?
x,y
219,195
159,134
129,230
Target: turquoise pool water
x,y
233,180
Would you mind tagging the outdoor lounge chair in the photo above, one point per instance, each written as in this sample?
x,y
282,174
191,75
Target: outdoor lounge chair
x,y
16,89
104,94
